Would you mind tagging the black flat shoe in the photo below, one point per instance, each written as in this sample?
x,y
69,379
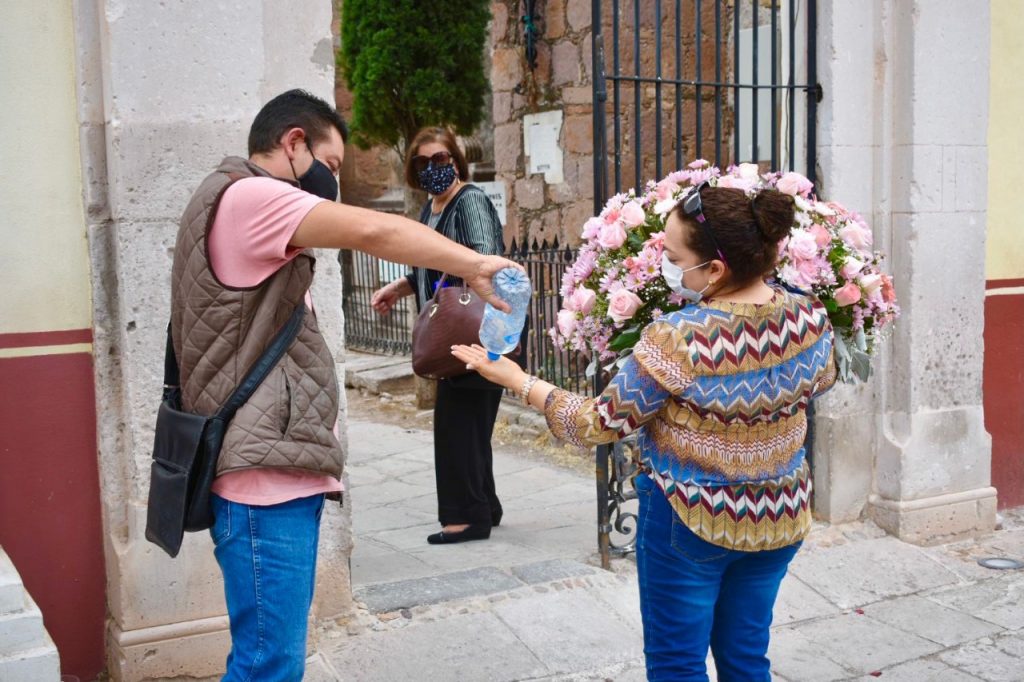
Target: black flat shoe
x,y
475,531
496,518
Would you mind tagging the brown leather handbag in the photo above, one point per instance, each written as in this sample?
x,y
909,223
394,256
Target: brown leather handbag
x,y
451,317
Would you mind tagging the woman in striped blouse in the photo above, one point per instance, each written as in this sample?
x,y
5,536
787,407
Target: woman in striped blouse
x,y
718,392
466,405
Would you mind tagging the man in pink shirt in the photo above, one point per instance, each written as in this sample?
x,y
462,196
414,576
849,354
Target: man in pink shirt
x,y
240,267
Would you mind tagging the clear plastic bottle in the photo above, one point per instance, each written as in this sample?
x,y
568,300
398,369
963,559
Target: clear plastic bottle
x,y
500,332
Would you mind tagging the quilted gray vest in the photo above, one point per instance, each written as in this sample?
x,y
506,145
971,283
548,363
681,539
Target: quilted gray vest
x,y
220,331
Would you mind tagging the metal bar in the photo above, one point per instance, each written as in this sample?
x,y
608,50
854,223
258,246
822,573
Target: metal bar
x,y
637,122
792,90
754,96
718,78
679,91
657,92
618,100
775,81
812,94
603,517
736,80
600,100
700,73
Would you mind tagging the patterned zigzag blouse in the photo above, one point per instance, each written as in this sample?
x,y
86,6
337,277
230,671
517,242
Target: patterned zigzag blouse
x,y
719,393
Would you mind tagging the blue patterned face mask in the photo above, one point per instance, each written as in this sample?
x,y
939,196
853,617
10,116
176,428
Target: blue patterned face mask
x,y
436,179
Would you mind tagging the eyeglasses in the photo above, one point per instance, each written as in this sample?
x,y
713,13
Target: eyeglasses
x,y
420,163
692,208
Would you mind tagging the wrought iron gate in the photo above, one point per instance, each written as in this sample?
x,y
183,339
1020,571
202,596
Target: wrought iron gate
x,y
730,81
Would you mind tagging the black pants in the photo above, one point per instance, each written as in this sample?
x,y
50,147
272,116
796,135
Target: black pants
x,y
463,464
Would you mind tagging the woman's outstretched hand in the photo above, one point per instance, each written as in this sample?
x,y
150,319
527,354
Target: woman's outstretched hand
x,y
384,299
501,371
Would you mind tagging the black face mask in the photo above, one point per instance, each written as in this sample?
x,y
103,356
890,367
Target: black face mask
x,y
319,180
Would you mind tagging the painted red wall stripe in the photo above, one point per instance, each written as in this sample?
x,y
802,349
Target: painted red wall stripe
x,y
1003,283
1004,394
50,523
33,339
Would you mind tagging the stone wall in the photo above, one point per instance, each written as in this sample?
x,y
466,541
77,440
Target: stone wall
x,y
563,81
145,147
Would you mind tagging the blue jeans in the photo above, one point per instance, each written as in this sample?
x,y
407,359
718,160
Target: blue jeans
x,y
694,594
268,558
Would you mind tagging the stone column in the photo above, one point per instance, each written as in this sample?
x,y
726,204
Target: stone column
x,y
848,134
904,140
165,92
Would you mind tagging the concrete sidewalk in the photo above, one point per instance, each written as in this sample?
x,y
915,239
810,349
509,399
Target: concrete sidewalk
x,y
530,604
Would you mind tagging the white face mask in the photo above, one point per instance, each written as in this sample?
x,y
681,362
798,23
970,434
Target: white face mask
x,y
673,275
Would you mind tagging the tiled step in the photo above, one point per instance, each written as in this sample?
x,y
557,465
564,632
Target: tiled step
x,y
12,594
21,630
40,664
27,654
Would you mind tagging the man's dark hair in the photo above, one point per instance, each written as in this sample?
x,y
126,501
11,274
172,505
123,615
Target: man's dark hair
x,y
294,109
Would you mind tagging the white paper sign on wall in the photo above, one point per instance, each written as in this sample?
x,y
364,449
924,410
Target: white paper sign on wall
x,y
540,144
496,193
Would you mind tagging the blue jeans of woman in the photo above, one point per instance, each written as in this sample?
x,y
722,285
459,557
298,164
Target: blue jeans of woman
x,y
268,557
694,594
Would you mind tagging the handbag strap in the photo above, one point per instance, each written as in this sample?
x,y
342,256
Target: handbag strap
x,y
257,372
444,275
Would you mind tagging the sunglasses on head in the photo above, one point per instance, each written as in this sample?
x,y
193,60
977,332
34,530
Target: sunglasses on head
x,y
420,163
692,208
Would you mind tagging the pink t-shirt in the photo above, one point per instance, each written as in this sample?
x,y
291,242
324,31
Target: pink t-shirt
x,y
248,242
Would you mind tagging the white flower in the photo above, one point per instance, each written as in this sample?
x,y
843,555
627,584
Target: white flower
x,y
665,205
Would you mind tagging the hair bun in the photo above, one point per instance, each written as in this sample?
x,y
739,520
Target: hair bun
x,y
774,213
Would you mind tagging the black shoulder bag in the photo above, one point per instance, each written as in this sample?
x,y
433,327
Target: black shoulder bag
x,y
187,445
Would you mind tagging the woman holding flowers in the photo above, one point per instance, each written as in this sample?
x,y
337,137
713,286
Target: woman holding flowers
x,y
718,392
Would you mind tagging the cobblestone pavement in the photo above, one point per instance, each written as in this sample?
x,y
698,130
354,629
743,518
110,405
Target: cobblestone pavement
x,y
531,604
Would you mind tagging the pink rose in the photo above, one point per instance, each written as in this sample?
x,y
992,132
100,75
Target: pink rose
x,y
581,300
748,171
808,269
632,214
870,283
821,236
566,322
738,182
851,268
888,291
612,236
802,244
610,214
793,184
847,295
855,235
592,228
665,189
623,304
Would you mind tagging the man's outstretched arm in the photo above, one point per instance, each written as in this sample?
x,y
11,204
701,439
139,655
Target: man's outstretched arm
x,y
400,240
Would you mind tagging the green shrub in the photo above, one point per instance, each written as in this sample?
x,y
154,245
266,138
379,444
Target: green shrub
x,y
410,63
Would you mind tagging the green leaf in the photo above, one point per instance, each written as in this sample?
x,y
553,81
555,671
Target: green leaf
x,y
626,338
860,364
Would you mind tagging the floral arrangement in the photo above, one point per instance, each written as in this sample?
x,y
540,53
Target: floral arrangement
x,y
614,288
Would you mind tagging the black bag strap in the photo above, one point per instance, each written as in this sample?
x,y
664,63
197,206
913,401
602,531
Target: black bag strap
x,y
256,374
